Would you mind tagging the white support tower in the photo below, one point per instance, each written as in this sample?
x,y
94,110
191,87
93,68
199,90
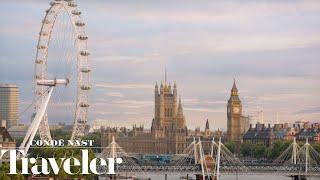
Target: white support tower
x,y
307,156
218,159
202,160
195,151
295,148
213,144
34,127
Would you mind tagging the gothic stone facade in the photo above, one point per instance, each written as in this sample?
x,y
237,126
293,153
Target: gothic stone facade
x,y
237,124
168,131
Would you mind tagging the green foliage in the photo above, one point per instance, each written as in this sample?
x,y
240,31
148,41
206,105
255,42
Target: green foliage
x,y
278,148
97,141
316,147
246,149
230,145
4,176
4,170
60,134
258,151
19,141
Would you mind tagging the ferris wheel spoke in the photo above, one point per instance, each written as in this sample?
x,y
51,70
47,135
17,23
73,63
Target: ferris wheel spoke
x,y
62,53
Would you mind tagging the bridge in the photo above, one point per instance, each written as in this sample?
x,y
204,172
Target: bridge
x,y
296,162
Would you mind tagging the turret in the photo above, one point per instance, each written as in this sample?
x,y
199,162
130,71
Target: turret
x,y
161,88
156,89
161,104
175,89
156,105
207,131
207,124
175,99
180,116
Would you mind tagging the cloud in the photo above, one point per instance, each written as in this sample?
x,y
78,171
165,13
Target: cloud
x,y
132,103
114,94
221,110
282,97
131,59
310,110
203,44
124,86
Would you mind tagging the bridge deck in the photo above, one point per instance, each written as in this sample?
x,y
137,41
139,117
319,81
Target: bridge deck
x,y
224,170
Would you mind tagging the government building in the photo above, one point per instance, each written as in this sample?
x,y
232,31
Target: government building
x,y
168,133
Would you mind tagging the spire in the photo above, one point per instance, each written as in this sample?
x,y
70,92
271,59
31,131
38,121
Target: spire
x,y
156,88
180,116
234,90
234,87
165,75
207,124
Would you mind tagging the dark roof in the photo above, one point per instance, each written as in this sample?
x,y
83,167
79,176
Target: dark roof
x,y
308,133
254,133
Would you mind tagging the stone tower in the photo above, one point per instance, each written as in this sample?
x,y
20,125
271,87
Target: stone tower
x,y
234,113
167,111
207,131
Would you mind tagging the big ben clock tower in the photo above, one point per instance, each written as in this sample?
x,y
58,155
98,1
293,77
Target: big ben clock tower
x,y
234,123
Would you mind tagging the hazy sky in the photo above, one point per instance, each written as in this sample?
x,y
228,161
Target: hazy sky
x,y
272,48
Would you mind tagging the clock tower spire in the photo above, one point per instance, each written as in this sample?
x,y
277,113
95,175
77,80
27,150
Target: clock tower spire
x,y
234,114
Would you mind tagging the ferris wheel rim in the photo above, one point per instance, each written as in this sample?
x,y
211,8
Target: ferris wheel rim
x,y
83,70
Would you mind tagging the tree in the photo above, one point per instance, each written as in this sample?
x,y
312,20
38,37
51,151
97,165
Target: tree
x,y
246,149
230,145
316,147
278,148
96,137
259,151
5,168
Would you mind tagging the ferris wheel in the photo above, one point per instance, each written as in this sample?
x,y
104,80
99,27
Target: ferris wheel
x,y
62,64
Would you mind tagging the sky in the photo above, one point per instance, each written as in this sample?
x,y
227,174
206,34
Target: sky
x,y
271,48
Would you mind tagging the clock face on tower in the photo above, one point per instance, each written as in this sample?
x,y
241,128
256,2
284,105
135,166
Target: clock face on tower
x,y
236,110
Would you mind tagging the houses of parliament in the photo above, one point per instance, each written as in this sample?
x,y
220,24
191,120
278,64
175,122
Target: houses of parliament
x,y
169,133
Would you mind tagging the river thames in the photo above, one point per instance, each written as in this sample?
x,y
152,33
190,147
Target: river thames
x,y
228,177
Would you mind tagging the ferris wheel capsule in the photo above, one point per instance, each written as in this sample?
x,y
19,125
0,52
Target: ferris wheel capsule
x,y
42,47
84,105
84,53
85,70
82,37
72,4
76,12
53,3
45,21
80,24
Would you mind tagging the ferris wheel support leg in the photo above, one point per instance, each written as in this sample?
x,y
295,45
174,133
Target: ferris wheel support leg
x,y
25,145
218,159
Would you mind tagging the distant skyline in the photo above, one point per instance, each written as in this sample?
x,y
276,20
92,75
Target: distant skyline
x,y
271,48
